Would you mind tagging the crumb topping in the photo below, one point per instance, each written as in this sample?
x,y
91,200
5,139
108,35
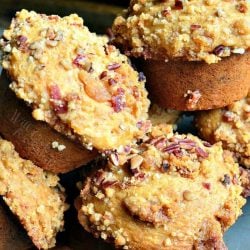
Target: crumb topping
x,y
153,189
74,80
196,30
33,195
231,125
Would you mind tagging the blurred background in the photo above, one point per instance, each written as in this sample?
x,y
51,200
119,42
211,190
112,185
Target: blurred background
x,y
97,14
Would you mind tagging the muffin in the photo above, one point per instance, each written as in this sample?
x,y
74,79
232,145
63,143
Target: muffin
x,y
74,80
159,115
33,195
172,192
194,53
35,140
231,126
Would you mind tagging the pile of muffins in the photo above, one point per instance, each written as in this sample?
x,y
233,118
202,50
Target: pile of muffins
x,y
70,98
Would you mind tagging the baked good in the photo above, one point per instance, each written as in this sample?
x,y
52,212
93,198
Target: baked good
x,y
194,53
172,192
158,115
231,126
35,140
74,80
33,195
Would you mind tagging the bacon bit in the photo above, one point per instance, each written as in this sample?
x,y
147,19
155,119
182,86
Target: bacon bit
x,y
60,108
172,147
142,77
207,144
187,144
178,5
206,185
219,50
228,116
55,92
79,60
200,152
59,105
112,81
117,101
22,43
120,91
195,26
178,153
193,98
114,66
160,144
242,7
103,75
140,176
165,12
99,177
175,149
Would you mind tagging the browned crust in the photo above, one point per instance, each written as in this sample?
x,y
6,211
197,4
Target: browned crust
x,y
197,85
33,139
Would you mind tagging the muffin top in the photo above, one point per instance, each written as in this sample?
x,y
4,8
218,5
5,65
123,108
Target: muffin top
x,y
174,191
231,126
74,80
33,195
195,30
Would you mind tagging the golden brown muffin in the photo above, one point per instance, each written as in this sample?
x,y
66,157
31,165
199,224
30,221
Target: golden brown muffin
x,y
33,195
197,85
35,140
74,80
173,192
231,126
159,115
195,52
197,30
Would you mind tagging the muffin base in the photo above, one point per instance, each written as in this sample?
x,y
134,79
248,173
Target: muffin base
x,y
33,140
190,86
